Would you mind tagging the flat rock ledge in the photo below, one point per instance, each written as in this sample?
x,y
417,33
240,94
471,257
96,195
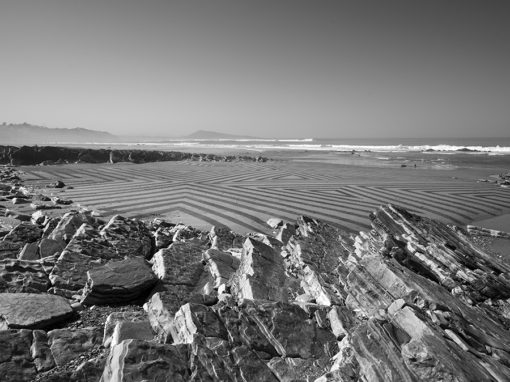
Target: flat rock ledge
x,y
412,299
118,282
33,311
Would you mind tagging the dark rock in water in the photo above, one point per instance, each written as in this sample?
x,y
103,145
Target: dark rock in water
x,y
43,206
57,200
118,282
57,184
18,276
34,311
15,358
137,360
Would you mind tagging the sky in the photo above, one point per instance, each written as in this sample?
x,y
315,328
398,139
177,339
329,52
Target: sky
x,y
272,68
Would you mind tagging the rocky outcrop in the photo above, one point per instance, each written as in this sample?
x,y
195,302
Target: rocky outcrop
x,y
261,273
48,155
410,300
137,360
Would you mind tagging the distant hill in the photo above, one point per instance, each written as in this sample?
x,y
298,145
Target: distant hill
x,y
25,133
206,134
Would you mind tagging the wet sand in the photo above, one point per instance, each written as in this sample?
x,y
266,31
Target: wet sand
x,y
341,188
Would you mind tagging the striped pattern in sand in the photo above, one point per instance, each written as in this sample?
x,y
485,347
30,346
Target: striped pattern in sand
x,y
243,195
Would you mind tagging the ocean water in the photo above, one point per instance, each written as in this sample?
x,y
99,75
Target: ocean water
x,y
492,146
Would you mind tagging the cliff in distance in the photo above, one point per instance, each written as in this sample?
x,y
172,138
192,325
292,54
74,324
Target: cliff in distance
x,y
25,133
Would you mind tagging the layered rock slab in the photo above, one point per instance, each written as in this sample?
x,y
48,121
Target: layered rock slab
x,y
261,273
118,282
34,311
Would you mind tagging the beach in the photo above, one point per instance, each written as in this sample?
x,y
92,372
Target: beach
x,y
338,187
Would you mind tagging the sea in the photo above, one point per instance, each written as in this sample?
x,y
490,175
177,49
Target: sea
x,y
490,146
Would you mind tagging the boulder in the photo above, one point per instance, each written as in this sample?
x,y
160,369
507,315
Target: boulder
x,y
34,311
118,282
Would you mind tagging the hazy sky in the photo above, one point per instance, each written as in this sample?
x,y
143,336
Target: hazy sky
x,y
268,68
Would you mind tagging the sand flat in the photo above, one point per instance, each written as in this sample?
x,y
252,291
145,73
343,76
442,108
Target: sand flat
x,y
243,195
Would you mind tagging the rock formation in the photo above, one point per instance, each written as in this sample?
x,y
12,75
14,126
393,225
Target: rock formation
x,y
48,155
412,299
